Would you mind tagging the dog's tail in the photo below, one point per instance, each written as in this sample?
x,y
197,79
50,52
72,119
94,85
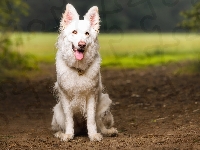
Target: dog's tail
x,y
103,110
103,104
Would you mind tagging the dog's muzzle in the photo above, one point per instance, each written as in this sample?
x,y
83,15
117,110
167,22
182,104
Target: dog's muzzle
x,y
79,52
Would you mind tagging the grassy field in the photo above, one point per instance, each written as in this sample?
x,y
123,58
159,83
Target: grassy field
x,y
122,50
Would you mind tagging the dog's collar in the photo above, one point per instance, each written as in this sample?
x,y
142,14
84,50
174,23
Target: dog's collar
x,y
80,71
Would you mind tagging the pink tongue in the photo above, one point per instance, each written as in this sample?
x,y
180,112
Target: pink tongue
x,y
78,55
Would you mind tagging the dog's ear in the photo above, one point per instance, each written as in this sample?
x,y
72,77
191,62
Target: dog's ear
x,y
93,16
68,16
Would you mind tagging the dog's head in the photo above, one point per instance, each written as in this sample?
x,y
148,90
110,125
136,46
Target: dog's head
x,y
79,36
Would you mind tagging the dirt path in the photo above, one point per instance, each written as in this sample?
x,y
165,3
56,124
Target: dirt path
x,y
153,109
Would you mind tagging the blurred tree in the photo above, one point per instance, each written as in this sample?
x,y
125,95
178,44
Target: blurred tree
x,y
192,23
115,15
192,18
10,12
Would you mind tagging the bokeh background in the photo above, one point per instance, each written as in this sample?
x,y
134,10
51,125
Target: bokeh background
x,y
133,33
125,16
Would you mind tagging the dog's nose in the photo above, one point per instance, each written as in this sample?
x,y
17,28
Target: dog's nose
x,y
81,44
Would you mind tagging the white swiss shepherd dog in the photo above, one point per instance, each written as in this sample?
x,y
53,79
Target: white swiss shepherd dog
x,y
81,104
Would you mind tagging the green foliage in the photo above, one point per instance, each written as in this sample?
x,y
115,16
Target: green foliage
x,y
192,23
14,60
10,12
192,18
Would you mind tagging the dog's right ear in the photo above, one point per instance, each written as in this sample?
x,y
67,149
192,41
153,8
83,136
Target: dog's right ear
x,y
68,16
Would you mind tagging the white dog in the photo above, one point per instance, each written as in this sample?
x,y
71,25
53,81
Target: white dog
x,y
81,102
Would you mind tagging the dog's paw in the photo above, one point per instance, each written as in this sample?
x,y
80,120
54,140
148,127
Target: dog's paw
x,y
96,137
63,136
58,134
66,137
110,132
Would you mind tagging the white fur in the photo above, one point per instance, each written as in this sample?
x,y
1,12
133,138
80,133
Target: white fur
x,y
81,102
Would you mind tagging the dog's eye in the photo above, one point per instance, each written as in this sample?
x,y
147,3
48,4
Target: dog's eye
x,y
87,33
74,32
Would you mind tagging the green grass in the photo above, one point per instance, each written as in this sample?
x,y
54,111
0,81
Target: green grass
x,y
39,45
122,50
140,50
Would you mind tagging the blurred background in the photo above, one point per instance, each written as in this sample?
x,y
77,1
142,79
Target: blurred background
x,y
133,34
126,16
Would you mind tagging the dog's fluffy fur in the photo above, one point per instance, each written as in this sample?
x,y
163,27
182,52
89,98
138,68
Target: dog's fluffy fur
x,y
81,103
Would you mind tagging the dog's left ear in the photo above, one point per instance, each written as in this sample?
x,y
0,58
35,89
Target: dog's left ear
x,y
93,16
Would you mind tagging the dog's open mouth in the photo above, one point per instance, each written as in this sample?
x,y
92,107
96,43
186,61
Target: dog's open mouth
x,y
79,53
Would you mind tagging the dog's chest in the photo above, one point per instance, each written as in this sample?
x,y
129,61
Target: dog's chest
x,y
78,105
75,84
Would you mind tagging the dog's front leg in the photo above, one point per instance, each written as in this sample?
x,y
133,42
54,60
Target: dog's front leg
x,y
68,122
91,123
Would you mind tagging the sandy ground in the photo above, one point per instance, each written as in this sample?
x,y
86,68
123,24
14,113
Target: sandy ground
x,y
154,108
